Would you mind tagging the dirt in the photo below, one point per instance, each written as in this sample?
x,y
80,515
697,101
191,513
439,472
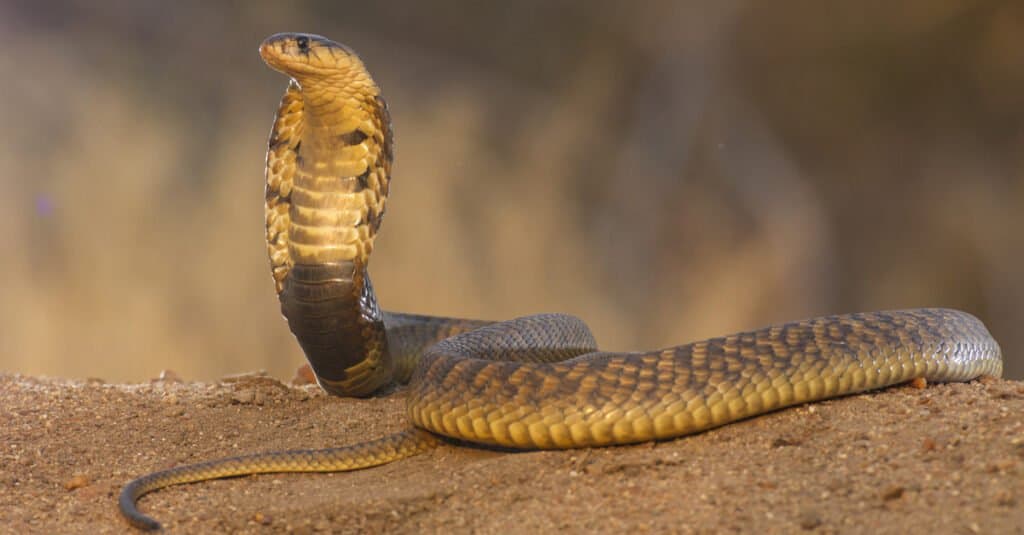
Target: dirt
x,y
947,458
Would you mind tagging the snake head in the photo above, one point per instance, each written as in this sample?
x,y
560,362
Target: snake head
x,y
307,57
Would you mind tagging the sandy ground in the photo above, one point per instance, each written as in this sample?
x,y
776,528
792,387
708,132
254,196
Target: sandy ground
x,y
946,459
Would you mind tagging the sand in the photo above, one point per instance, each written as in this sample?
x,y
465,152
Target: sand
x,y
944,459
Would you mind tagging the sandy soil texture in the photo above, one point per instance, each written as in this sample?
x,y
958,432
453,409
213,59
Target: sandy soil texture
x,y
946,459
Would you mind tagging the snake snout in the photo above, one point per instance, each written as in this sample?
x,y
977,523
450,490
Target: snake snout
x,y
278,48
301,54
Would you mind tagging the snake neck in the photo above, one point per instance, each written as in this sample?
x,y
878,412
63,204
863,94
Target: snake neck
x,y
340,159
340,185
332,311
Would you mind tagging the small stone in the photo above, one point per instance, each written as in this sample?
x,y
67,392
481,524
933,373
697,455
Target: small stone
x,y
243,397
168,376
809,519
76,482
1001,465
893,493
172,412
262,519
304,376
928,444
920,383
781,442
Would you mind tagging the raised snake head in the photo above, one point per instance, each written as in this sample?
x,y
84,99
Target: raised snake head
x,y
310,58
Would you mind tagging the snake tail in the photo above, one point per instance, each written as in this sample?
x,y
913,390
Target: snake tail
x,y
342,459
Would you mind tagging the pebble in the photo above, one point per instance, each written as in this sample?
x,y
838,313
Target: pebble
x,y
243,397
172,412
76,482
168,376
809,519
303,376
894,492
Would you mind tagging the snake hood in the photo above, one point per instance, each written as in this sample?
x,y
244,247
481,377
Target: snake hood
x,y
307,57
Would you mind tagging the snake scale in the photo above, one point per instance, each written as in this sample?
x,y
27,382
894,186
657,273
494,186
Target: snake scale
x,y
537,382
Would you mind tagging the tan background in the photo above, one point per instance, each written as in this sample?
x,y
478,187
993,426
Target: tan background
x,y
667,173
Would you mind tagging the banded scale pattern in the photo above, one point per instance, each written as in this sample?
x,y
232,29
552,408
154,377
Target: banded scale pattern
x,y
463,391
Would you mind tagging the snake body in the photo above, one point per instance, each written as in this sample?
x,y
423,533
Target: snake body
x,y
537,382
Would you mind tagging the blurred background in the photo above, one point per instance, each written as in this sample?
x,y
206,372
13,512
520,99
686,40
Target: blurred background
x,y
668,173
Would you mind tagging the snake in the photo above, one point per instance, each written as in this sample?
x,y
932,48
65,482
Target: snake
x,y
535,382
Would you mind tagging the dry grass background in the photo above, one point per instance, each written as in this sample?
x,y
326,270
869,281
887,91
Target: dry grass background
x,y
667,173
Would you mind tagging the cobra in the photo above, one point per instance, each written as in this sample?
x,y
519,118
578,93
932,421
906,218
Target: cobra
x,y
537,382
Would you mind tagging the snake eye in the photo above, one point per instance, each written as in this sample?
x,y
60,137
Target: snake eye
x,y
303,43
